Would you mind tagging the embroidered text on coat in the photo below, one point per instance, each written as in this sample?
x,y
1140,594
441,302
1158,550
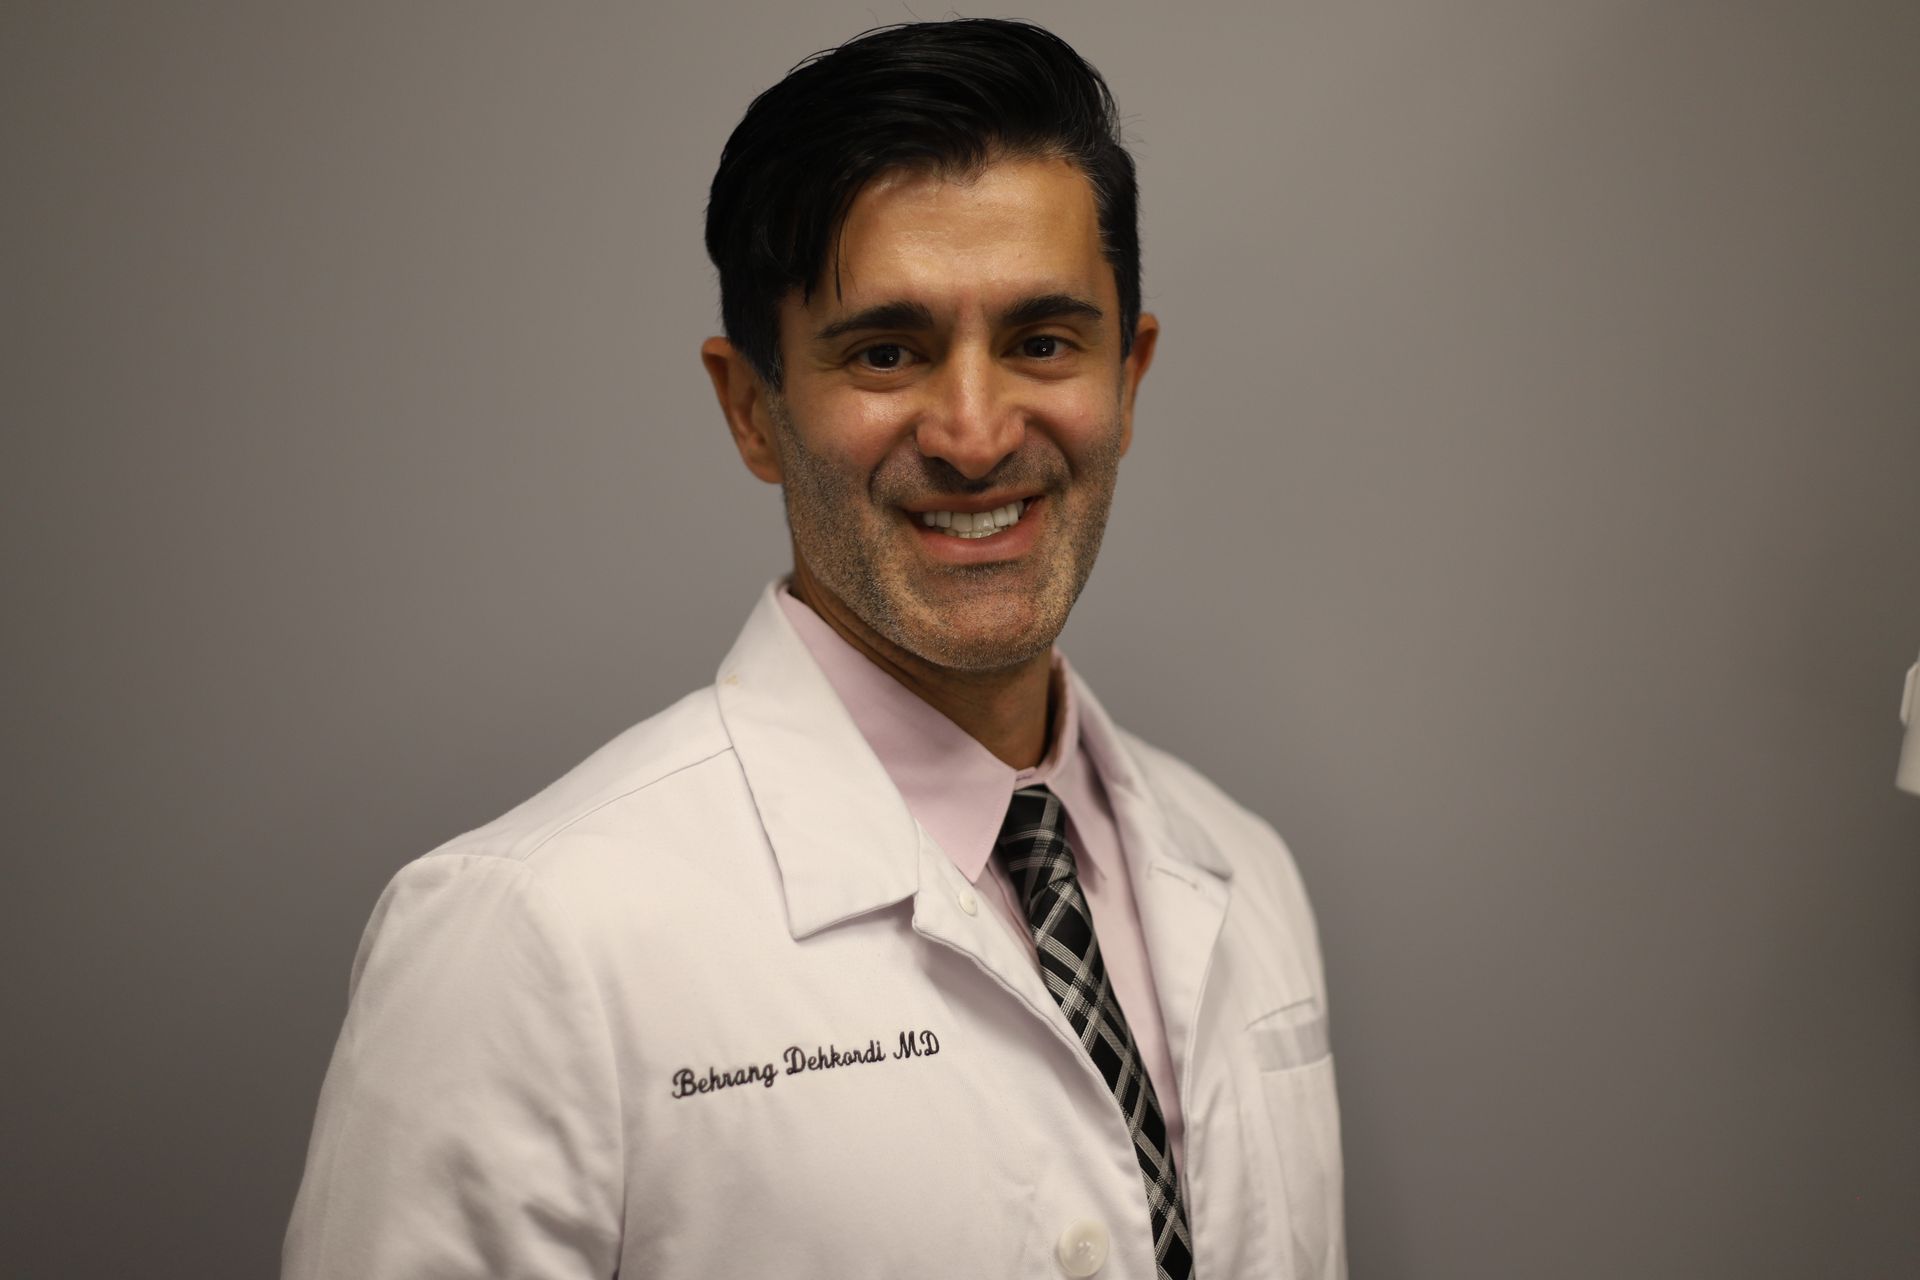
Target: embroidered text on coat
x,y
912,1044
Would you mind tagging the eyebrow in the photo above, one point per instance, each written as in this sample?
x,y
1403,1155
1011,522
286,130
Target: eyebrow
x,y
910,316
1049,306
914,317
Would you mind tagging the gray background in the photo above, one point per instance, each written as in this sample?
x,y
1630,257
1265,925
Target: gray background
x,y
1524,515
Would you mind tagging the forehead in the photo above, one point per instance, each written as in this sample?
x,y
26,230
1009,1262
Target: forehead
x,y
1015,227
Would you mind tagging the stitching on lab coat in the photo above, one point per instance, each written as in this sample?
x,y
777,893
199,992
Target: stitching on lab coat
x,y
584,814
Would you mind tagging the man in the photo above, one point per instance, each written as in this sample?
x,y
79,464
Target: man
x,y
888,954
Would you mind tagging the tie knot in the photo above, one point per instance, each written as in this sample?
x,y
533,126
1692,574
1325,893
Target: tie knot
x,y
1033,846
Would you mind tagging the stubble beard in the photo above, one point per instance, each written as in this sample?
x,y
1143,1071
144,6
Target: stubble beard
x,y
843,530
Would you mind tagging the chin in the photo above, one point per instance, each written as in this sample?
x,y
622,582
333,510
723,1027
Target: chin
x,y
989,640
988,654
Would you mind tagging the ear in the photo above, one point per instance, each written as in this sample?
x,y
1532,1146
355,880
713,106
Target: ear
x,y
743,401
1134,368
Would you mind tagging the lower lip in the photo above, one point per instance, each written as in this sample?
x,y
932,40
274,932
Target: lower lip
x,y
1009,544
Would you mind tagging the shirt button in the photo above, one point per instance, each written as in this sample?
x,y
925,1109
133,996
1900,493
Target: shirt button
x,y
1082,1248
968,903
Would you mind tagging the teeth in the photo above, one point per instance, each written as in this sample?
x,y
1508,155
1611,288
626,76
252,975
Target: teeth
x,y
972,524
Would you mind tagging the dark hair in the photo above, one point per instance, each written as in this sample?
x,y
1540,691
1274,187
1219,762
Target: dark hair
x,y
942,96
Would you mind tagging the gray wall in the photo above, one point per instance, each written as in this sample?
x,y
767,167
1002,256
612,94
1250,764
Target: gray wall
x,y
1524,515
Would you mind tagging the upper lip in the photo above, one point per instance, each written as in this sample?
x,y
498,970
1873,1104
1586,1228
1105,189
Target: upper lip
x,y
971,506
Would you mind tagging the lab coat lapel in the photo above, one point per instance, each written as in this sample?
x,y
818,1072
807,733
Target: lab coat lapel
x,y
1181,883
841,835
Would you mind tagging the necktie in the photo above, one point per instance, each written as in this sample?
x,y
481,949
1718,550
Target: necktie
x,y
1033,845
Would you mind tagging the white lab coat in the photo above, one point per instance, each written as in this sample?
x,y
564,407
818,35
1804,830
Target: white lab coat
x,y
714,1005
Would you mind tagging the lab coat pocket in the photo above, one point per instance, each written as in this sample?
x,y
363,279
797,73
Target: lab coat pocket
x,y
1292,1036
1291,1048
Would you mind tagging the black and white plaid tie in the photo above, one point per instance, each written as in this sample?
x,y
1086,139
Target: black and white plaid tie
x,y
1033,845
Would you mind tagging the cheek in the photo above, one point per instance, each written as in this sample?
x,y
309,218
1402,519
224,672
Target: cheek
x,y
1087,404
851,435
1093,435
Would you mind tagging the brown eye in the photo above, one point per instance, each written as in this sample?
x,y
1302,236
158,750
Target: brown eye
x,y
886,355
1042,346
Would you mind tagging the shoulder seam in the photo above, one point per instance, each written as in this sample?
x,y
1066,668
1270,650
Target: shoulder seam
x,y
584,814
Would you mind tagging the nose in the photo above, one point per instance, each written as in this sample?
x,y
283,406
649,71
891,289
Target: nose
x,y
967,422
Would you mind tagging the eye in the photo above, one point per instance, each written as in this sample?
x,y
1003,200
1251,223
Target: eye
x,y
884,355
1041,346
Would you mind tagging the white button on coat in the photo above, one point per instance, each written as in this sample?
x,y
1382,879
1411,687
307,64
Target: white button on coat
x,y
1083,1248
968,902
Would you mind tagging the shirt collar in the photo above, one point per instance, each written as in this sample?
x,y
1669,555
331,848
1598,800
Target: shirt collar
x,y
956,789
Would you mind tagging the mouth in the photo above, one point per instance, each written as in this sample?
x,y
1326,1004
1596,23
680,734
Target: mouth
x,y
974,525
1004,534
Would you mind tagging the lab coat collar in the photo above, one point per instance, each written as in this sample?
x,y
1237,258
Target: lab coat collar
x,y
842,837
1134,801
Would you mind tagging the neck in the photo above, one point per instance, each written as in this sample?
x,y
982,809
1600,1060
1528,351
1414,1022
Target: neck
x,y
1007,711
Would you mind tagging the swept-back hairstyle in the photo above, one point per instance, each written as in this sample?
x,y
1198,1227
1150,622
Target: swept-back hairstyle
x,y
945,97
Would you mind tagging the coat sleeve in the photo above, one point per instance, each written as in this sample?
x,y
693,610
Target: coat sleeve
x,y
470,1123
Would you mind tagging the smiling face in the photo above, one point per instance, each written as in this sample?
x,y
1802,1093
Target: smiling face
x,y
954,412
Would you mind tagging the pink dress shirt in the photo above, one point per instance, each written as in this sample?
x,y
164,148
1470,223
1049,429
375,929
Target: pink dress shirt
x,y
958,792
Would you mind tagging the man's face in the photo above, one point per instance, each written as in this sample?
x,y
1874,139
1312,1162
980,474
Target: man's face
x,y
968,363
